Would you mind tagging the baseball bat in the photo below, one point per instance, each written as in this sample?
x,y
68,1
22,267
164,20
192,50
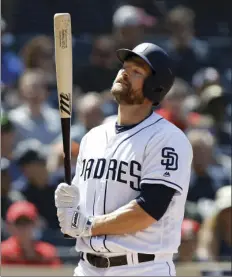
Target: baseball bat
x,y
63,61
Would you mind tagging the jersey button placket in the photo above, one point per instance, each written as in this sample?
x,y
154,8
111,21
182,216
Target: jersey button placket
x,y
108,155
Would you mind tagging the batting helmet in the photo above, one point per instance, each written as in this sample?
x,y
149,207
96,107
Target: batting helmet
x,y
157,85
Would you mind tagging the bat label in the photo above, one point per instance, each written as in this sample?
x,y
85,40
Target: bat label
x,y
63,34
65,103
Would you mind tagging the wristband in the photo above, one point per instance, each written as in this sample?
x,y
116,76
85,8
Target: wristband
x,y
87,232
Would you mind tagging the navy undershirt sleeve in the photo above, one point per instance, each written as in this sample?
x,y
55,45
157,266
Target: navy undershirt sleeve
x,y
155,199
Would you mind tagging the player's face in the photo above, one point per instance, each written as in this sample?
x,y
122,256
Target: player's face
x,y
128,85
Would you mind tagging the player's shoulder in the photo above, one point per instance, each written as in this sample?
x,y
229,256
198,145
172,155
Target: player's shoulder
x,y
169,132
168,128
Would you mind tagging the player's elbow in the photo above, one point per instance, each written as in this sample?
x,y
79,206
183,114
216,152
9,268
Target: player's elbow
x,y
154,200
143,219
147,220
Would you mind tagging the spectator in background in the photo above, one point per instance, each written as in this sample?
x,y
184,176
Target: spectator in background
x,y
31,156
35,118
89,110
192,212
150,6
55,161
215,236
7,137
209,173
210,77
38,53
11,65
187,249
100,73
8,195
130,25
213,103
173,109
109,105
7,145
189,53
22,248
204,78
89,114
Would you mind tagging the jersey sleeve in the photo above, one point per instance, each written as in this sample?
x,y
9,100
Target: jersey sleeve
x,y
75,180
167,161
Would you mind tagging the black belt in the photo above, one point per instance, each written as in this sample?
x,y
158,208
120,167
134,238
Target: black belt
x,y
106,262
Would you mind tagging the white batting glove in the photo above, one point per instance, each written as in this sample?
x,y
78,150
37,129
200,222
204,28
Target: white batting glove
x,y
67,196
72,222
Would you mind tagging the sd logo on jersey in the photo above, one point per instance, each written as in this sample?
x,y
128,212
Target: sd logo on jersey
x,y
170,158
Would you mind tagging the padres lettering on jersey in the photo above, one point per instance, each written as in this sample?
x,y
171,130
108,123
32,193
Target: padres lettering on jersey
x,y
111,169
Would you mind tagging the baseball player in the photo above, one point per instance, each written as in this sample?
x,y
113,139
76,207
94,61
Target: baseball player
x,y
126,203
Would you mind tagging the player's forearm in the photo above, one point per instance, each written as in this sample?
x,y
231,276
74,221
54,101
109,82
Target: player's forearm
x,y
130,218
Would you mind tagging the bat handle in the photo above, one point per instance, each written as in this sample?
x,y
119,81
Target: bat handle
x,y
67,170
65,125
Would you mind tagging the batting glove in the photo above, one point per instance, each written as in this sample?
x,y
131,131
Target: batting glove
x,y
67,196
72,221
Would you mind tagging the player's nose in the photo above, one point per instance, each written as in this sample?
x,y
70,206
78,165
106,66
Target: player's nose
x,y
124,74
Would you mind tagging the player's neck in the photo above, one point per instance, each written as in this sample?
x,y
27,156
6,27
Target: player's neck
x,y
129,115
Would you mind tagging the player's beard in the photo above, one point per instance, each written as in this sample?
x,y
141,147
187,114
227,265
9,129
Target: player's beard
x,y
125,95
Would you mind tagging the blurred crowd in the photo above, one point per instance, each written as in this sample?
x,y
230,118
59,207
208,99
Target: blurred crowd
x,y
199,103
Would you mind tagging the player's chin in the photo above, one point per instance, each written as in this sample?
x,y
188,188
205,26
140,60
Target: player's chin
x,y
125,96
118,91
119,88
126,100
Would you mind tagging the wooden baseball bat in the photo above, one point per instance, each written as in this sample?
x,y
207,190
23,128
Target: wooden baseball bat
x,y
63,60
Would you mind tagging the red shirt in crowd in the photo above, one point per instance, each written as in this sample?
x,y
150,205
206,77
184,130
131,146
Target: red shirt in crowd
x,y
191,120
12,253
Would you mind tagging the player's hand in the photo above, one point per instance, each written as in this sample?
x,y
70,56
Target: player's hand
x,y
67,196
73,223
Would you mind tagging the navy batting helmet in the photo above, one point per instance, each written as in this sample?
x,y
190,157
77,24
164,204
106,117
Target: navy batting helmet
x,y
157,85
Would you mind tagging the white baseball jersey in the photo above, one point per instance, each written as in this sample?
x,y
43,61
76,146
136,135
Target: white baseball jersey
x,y
112,167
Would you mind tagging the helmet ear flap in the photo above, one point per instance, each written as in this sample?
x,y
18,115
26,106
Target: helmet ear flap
x,y
148,87
151,90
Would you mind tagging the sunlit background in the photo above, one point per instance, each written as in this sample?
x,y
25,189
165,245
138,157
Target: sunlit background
x,y
196,34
